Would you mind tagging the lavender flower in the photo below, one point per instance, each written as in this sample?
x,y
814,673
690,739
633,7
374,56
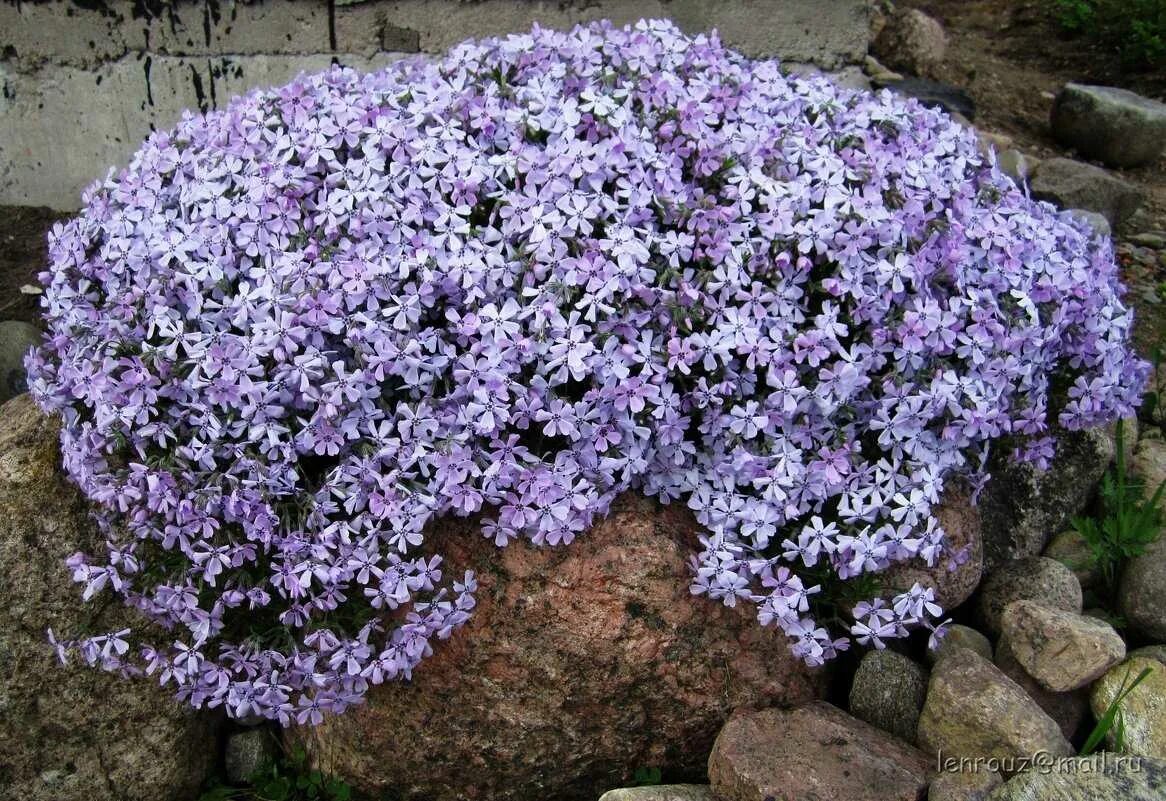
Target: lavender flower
x,y
515,283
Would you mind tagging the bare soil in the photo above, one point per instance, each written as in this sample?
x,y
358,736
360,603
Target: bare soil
x,y
1012,58
23,249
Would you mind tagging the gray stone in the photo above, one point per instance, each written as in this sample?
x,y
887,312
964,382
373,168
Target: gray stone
x,y
1149,464
1070,549
248,752
912,42
813,751
16,338
1076,185
1156,652
1142,592
1069,709
960,636
1101,777
1154,240
1036,578
1114,126
967,785
993,141
1022,507
73,733
851,78
1097,223
661,792
888,691
974,711
1062,650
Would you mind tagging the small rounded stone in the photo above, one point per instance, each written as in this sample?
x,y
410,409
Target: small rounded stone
x,y
888,691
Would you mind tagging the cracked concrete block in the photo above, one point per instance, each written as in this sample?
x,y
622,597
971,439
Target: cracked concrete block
x,y
60,32
366,28
236,75
84,84
829,35
233,27
66,33
359,27
62,128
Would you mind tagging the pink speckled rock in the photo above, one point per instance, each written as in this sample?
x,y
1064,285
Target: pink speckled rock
x,y
580,665
813,753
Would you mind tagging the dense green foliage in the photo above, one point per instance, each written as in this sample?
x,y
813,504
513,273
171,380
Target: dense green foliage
x,y
290,778
1129,521
1134,29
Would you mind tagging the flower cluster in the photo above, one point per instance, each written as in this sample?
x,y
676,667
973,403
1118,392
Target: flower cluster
x,y
514,283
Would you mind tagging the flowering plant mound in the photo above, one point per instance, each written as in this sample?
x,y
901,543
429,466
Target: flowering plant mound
x,y
517,282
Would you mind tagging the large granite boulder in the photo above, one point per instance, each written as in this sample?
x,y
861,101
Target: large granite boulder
x,y
816,751
73,733
250,752
579,665
16,338
1114,126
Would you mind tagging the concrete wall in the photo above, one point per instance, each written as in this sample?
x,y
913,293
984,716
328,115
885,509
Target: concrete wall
x,y
84,81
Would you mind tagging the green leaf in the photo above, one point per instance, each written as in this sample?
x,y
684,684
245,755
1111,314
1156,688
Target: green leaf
x,y
1112,717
